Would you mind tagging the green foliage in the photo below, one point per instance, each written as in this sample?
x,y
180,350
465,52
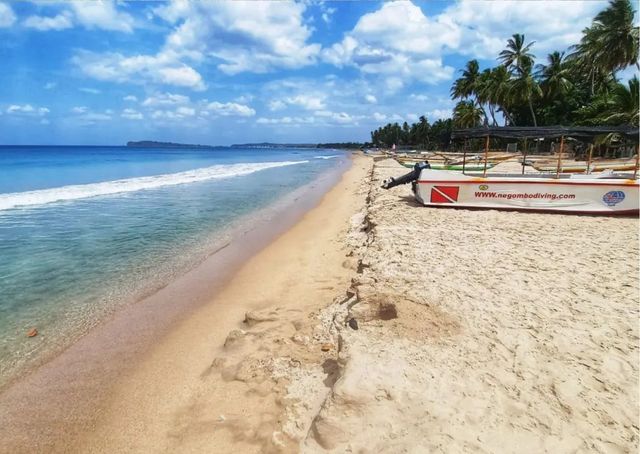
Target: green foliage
x,y
577,88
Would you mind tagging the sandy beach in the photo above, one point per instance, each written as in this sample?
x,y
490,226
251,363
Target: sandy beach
x,y
377,325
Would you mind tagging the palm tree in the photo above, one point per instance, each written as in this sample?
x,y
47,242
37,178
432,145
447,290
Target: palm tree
x,y
466,85
555,76
483,95
517,55
494,90
524,88
467,115
624,104
616,36
501,87
610,43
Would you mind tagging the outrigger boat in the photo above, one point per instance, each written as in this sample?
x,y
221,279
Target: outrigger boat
x,y
618,165
603,193
443,165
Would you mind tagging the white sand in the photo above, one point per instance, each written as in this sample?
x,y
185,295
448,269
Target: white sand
x,y
515,332
478,331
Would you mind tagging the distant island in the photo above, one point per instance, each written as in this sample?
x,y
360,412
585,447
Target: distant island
x,y
156,144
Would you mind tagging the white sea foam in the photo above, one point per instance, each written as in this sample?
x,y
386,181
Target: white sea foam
x,y
326,157
83,191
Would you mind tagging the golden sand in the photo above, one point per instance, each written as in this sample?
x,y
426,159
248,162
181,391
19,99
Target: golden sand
x,y
478,331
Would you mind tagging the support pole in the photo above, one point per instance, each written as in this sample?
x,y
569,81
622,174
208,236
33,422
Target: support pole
x,y
560,156
524,155
464,157
486,156
590,157
635,172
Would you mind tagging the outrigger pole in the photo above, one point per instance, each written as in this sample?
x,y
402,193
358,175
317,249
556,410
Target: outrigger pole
x,y
560,157
486,156
464,156
524,155
590,157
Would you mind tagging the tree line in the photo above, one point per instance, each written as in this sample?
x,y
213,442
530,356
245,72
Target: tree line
x,y
575,87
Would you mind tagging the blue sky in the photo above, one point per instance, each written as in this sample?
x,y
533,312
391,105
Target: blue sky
x,y
103,72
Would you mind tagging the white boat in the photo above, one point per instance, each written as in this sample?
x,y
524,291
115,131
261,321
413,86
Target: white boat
x,y
603,193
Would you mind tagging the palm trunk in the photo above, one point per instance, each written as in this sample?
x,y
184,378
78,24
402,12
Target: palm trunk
x,y
508,117
493,116
486,118
533,115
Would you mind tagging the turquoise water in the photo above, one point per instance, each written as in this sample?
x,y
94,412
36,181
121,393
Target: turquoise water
x,y
84,230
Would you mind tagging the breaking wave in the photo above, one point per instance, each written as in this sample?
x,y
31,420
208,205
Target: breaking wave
x,y
327,157
73,192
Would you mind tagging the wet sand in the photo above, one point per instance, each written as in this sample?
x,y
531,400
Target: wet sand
x,y
48,408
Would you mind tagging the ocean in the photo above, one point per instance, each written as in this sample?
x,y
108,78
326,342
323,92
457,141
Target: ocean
x,y
87,230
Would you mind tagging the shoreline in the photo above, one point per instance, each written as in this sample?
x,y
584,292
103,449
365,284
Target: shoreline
x,y
62,392
377,324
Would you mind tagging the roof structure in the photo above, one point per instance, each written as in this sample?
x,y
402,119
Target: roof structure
x,y
630,133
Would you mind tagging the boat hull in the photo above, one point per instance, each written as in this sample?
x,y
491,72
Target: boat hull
x,y
579,195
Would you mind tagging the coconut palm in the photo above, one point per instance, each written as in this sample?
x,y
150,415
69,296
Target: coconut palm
x,y
494,89
466,114
616,36
517,55
466,85
555,76
624,104
524,88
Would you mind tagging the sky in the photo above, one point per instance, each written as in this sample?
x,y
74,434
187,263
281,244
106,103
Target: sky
x,y
106,72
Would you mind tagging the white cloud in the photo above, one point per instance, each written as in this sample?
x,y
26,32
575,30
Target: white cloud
x,y
7,16
130,98
419,97
308,102
163,68
245,36
42,23
186,111
485,26
326,12
370,99
296,121
166,99
439,114
409,49
131,114
79,109
243,99
178,114
95,117
230,109
102,14
379,116
342,117
93,91
304,101
413,45
27,110
276,104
